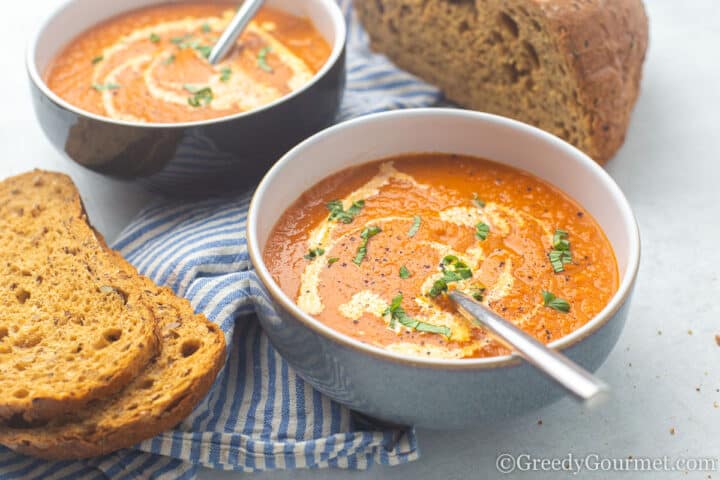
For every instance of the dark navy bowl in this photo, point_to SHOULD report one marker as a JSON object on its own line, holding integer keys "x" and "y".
{"x": 192, "y": 158}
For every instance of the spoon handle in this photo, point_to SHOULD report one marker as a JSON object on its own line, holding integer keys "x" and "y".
{"x": 245, "y": 13}
{"x": 567, "y": 373}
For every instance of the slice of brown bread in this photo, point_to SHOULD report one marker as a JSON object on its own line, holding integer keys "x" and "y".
{"x": 74, "y": 327}
{"x": 570, "y": 67}
{"x": 192, "y": 353}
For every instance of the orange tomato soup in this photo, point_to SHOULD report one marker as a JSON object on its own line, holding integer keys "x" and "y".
{"x": 373, "y": 250}
{"x": 150, "y": 65}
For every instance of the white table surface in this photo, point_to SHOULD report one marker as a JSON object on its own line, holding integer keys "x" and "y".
{"x": 670, "y": 170}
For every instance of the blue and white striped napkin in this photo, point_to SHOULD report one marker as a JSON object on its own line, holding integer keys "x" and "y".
{"x": 259, "y": 415}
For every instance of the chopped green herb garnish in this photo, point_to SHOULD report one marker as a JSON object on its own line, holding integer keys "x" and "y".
{"x": 206, "y": 27}
{"x": 313, "y": 253}
{"x": 558, "y": 259}
{"x": 560, "y": 241}
{"x": 439, "y": 286}
{"x": 154, "y": 37}
{"x": 415, "y": 226}
{"x": 430, "y": 328}
{"x": 482, "y": 230}
{"x": 337, "y": 213}
{"x": 225, "y": 74}
{"x": 184, "y": 42}
{"x": 477, "y": 293}
{"x": 397, "y": 314}
{"x": 550, "y": 300}
{"x": 367, "y": 234}
{"x": 404, "y": 272}
{"x": 454, "y": 270}
{"x": 393, "y": 309}
{"x": 202, "y": 96}
{"x": 476, "y": 200}
{"x": 203, "y": 50}
{"x": 169, "y": 60}
{"x": 180, "y": 41}
{"x": 560, "y": 255}
{"x": 262, "y": 59}
{"x": 332, "y": 260}
{"x": 107, "y": 86}
{"x": 97, "y": 59}
{"x": 356, "y": 207}
{"x": 452, "y": 260}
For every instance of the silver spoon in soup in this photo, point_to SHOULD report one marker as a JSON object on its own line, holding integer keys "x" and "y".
{"x": 242, "y": 18}
{"x": 575, "y": 379}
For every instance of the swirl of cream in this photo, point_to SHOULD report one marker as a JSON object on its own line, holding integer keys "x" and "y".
{"x": 239, "y": 91}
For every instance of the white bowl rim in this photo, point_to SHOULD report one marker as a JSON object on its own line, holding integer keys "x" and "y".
{"x": 616, "y": 302}
{"x": 333, "y": 8}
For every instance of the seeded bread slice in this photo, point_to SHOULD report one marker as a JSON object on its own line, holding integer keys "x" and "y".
{"x": 192, "y": 353}
{"x": 570, "y": 67}
{"x": 73, "y": 326}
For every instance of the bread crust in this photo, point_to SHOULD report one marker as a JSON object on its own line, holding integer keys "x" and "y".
{"x": 604, "y": 43}
{"x": 600, "y": 44}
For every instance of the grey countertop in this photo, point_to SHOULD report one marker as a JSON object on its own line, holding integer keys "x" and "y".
{"x": 665, "y": 369}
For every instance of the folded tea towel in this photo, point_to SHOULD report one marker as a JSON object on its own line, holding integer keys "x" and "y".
{"x": 259, "y": 415}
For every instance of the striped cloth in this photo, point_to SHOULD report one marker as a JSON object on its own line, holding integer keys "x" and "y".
{"x": 259, "y": 415}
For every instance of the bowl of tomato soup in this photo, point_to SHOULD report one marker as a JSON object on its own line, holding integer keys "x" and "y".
{"x": 125, "y": 88}
{"x": 357, "y": 253}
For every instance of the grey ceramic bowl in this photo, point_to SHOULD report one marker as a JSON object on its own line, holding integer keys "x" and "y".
{"x": 192, "y": 158}
{"x": 432, "y": 393}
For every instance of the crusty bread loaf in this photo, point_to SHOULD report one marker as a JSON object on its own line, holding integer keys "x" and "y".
{"x": 192, "y": 353}
{"x": 570, "y": 67}
{"x": 74, "y": 327}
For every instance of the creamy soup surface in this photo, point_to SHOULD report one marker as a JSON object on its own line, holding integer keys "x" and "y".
{"x": 373, "y": 250}
{"x": 150, "y": 65}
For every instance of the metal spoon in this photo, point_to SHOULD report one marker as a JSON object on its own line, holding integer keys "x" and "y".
{"x": 245, "y": 13}
{"x": 557, "y": 366}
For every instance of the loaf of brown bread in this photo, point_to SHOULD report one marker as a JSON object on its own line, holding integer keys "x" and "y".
{"x": 570, "y": 67}
{"x": 192, "y": 351}
{"x": 74, "y": 328}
